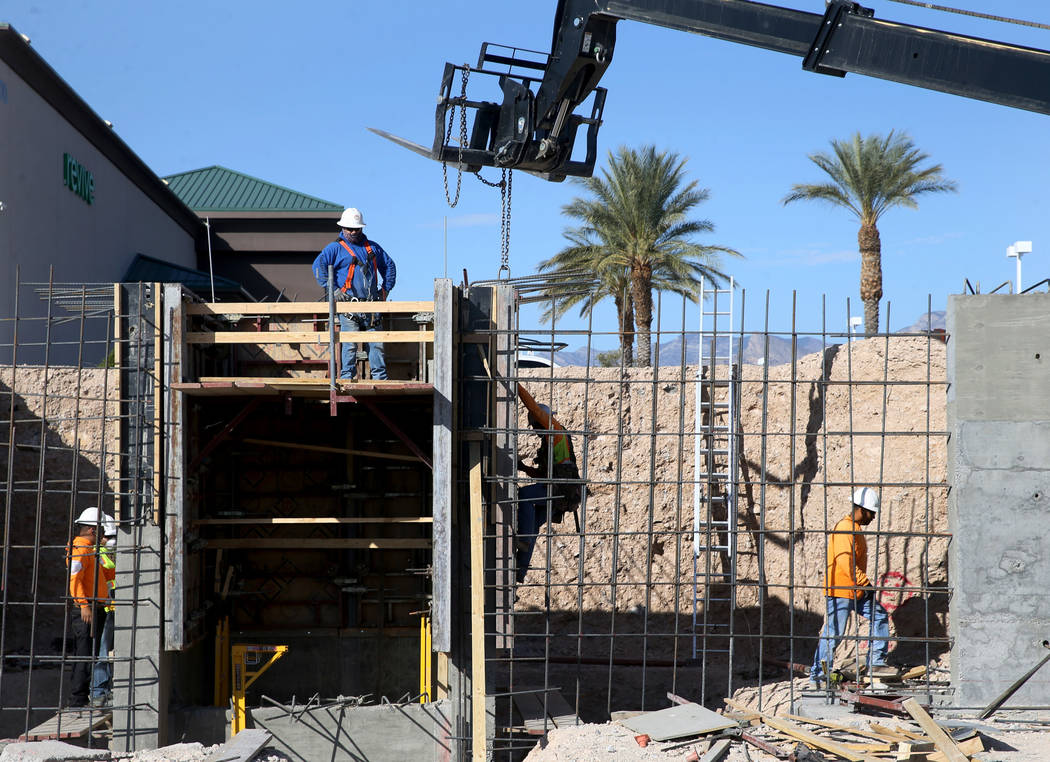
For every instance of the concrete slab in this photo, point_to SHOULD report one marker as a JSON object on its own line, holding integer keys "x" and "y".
{"x": 678, "y": 722}
{"x": 49, "y": 751}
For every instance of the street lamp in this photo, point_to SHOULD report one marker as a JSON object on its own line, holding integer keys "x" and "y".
{"x": 1018, "y": 250}
{"x": 855, "y": 322}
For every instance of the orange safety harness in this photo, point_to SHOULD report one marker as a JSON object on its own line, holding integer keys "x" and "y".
{"x": 353, "y": 263}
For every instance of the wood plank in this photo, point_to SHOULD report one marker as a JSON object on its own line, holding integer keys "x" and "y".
{"x": 306, "y": 337}
{"x": 812, "y": 739}
{"x": 303, "y": 308}
{"x": 533, "y": 717}
{"x": 898, "y": 733}
{"x": 338, "y": 450}
{"x": 264, "y": 520}
{"x": 313, "y": 543}
{"x": 716, "y": 752}
{"x": 479, "y": 751}
{"x": 914, "y": 673}
{"x": 842, "y": 727}
{"x": 560, "y": 711}
{"x": 69, "y": 723}
{"x": 969, "y": 747}
{"x": 944, "y": 742}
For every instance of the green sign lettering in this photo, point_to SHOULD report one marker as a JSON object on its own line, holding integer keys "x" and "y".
{"x": 76, "y": 177}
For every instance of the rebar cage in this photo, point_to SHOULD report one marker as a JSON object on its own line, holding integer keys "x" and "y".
{"x": 79, "y": 387}
{"x": 712, "y": 481}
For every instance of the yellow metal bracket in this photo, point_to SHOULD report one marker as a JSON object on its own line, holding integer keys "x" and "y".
{"x": 248, "y": 664}
{"x": 424, "y": 660}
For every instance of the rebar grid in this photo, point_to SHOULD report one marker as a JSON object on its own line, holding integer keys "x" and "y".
{"x": 61, "y": 415}
{"x": 608, "y": 617}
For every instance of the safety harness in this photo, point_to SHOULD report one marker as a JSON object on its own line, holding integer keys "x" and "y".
{"x": 353, "y": 264}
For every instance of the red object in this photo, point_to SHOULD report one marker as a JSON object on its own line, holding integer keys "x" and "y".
{"x": 643, "y": 740}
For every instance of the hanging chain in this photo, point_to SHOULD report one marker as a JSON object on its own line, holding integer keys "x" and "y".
{"x": 504, "y": 184}
{"x": 462, "y": 138}
{"x": 504, "y": 230}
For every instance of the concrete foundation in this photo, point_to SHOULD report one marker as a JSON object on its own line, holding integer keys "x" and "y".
{"x": 385, "y": 732}
{"x": 999, "y": 505}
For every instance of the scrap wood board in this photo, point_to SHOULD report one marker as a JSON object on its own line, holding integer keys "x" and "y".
{"x": 678, "y": 722}
{"x": 70, "y": 723}
{"x": 558, "y": 715}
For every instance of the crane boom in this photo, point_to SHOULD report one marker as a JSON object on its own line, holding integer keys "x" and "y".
{"x": 535, "y": 127}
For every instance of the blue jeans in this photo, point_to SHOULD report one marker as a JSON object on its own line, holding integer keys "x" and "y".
{"x": 835, "y": 625}
{"x": 376, "y": 360}
{"x": 102, "y": 672}
{"x": 532, "y": 515}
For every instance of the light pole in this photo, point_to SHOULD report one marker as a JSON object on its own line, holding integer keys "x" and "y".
{"x": 854, "y": 323}
{"x": 1018, "y": 250}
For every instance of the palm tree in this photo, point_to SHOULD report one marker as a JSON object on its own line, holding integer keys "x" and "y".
{"x": 635, "y": 236}
{"x": 870, "y": 175}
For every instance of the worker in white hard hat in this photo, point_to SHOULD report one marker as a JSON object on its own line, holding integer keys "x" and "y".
{"x": 358, "y": 263}
{"x": 847, "y": 588}
{"x": 557, "y": 490}
{"x": 89, "y": 592}
{"x": 102, "y": 674}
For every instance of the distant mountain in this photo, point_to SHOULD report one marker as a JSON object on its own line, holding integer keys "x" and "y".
{"x": 754, "y": 348}
{"x": 934, "y": 321}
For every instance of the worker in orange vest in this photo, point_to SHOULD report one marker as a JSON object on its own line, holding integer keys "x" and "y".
{"x": 357, "y": 264}
{"x": 90, "y": 594}
{"x": 847, "y": 588}
{"x": 557, "y": 489}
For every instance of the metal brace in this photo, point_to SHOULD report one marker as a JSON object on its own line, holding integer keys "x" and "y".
{"x": 822, "y": 43}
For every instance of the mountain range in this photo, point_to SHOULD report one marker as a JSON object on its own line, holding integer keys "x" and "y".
{"x": 753, "y": 349}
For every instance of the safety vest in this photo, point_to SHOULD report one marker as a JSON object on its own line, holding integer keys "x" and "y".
{"x": 109, "y": 572}
{"x": 353, "y": 263}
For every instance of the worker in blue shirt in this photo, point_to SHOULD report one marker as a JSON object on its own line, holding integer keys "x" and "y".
{"x": 358, "y": 264}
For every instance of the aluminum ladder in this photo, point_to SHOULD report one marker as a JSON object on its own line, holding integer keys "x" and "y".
{"x": 715, "y": 464}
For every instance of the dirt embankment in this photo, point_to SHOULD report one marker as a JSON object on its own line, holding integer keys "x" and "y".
{"x": 871, "y": 412}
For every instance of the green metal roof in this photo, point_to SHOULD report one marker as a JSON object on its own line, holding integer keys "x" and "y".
{"x": 217, "y": 189}
{"x": 152, "y": 270}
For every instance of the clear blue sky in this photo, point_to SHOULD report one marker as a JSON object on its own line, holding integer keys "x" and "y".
{"x": 285, "y": 91}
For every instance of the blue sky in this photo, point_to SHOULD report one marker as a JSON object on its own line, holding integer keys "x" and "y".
{"x": 286, "y": 91}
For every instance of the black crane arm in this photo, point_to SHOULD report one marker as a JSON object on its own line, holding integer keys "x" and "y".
{"x": 536, "y": 131}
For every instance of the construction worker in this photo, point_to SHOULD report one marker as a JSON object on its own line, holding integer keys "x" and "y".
{"x": 357, "y": 263}
{"x": 102, "y": 674}
{"x": 544, "y": 499}
{"x": 848, "y": 588}
{"x": 88, "y": 589}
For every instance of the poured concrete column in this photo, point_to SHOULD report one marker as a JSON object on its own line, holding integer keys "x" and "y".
{"x": 999, "y": 503}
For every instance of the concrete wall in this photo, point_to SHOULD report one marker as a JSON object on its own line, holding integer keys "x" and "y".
{"x": 387, "y": 732}
{"x": 999, "y": 505}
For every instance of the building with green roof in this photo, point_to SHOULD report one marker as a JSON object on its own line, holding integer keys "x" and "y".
{"x": 262, "y": 235}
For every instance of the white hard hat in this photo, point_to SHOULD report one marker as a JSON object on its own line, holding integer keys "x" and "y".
{"x": 109, "y": 525}
{"x": 352, "y": 218}
{"x": 88, "y": 517}
{"x": 866, "y": 498}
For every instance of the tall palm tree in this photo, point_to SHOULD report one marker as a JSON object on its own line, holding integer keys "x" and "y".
{"x": 870, "y": 175}
{"x": 635, "y": 228}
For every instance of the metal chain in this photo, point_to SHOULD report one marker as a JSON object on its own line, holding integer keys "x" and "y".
{"x": 504, "y": 184}
{"x": 504, "y": 232}
{"x": 462, "y": 138}
{"x": 975, "y": 14}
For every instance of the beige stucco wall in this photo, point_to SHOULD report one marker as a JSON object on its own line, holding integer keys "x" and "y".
{"x": 43, "y": 223}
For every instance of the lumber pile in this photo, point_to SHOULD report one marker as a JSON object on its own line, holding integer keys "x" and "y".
{"x": 803, "y": 739}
